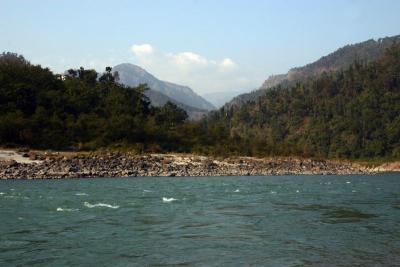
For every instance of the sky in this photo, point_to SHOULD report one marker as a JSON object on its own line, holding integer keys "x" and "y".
{"x": 209, "y": 45}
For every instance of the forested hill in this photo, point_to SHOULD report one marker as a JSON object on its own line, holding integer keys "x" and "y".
{"x": 340, "y": 59}
{"x": 348, "y": 114}
{"x": 353, "y": 113}
{"x": 82, "y": 110}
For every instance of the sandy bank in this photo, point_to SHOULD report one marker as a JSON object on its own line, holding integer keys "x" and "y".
{"x": 9, "y": 155}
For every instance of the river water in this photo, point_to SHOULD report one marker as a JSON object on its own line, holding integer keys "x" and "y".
{"x": 202, "y": 221}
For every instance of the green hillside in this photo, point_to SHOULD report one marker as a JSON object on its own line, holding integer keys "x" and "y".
{"x": 353, "y": 113}
{"x": 348, "y": 114}
{"x": 82, "y": 110}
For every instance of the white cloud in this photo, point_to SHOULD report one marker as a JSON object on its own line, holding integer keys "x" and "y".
{"x": 227, "y": 63}
{"x": 188, "y": 58}
{"x": 142, "y": 49}
{"x": 201, "y": 73}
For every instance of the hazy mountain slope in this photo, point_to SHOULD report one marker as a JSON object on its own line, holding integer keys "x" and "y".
{"x": 132, "y": 75}
{"x": 159, "y": 99}
{"x": 218, "y": 99}
{"x": 353, "y": 113}
{"x": 339, "y": 60}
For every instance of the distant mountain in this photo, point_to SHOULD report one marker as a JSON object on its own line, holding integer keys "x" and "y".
{"x": 341, "y": 59}
{"x": 132, "y": 75}
{"x": 159, "y": 99}
{"x": 218, "y": 99}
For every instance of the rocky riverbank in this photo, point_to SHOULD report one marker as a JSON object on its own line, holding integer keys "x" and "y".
{"x": 42, "y": 165}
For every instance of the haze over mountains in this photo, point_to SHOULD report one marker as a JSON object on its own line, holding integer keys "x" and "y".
{"x": 162, "y": 91}
{"x": 341, "y": 59}
{"x": 196, "y": 106}
{"x": 218, "y": 99}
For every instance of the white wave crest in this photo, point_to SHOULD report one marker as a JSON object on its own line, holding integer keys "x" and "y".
{"x": 147, "y": 191}
{"x": 166, "y": 199}
{"x": 105, "y": 205}
{"x": 236, "y": 191}
{"x": 65, "y": 209}
{"x": 81, "y": 194}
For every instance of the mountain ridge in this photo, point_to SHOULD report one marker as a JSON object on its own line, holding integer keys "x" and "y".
{"x": 133, "y": 75}
{"x": 340, "y": 59}
{"x": 351, "y": 113}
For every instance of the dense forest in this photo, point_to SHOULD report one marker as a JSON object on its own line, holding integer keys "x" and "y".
{"x": 338, "y": 60}
{"x": 347, "y": 114}
{"x": 353, "y": 113}
{"x": 82, "y": 110}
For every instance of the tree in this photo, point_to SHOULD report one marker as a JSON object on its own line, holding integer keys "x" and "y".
{"x": 107, "y": 77}
{"x": 171, "y": 115}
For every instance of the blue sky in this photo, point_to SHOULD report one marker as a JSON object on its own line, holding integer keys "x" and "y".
{"x": 209, "y": 45}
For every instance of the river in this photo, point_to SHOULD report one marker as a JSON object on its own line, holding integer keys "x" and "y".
{"x": 202, "y": 221}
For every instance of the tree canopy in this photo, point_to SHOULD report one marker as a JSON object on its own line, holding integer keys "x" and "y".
{"x": 353, "y": 113}
{"x": 79, "y": 110}
{"x": 347, "y": 114}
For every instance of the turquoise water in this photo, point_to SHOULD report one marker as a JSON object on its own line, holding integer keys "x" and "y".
{"x": 202, "y": 221}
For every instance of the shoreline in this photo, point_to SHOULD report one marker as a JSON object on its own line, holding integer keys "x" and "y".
{"x": 56, "y": 165}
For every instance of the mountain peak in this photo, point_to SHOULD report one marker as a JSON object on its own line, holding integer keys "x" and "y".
{"x": 132, "y": 68}
{"x": 133, "y": 75}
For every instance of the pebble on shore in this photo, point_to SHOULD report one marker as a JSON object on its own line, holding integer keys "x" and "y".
{"x": 55, "y": 165}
